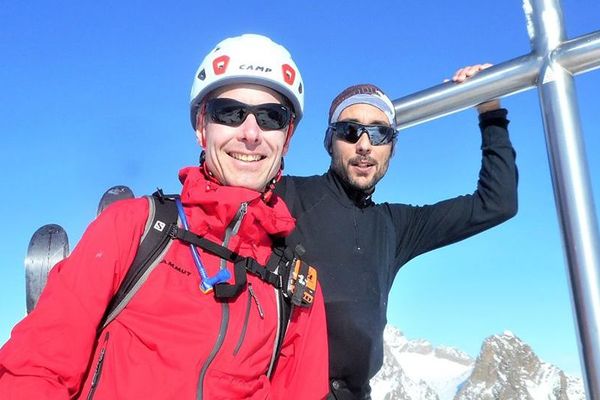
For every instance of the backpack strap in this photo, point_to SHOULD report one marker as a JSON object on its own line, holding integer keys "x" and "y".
{"x": 156, "y": 240}
{"x": 279, "y": 256}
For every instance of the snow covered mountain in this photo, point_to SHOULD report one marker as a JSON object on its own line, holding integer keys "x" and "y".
{"x": 506, "y": 369}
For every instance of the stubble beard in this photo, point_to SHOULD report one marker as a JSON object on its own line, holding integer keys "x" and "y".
{"x": 343, "y": 171}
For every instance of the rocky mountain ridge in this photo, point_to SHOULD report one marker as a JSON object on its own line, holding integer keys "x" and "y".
{"x": 505, "y": 369}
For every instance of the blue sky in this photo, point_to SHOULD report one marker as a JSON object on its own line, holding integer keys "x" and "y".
{"x": 95, "y": 94}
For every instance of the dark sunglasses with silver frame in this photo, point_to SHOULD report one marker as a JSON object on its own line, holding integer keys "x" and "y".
{"x": 352, "y": 131}
{"x": 230, "y": 112}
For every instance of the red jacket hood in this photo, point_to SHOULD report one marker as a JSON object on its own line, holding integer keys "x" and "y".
{"x": 220, "y": 203}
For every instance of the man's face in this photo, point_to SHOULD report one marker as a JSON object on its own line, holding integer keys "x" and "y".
{"x": 361, "y": 164}
{"x": 245, "y": 155}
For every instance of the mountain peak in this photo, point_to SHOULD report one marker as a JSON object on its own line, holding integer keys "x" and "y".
{"x": 505, "y": 369}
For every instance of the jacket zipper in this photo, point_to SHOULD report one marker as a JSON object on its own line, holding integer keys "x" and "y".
{"x": 356, "y": 233}
{"x": 231, "y": 230}
{"x": 98, "y": 370}
{"x": 239, "y": 216}
{"x": 215, "y": 350}
{"x": 255, "y": 297}
{"x": 279, "y": 334}
{"x": 251, "y": 295}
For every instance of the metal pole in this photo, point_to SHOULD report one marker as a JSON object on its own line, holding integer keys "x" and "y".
{"x": 571, "y": 184}
{"x": 507, "y": 78}
{"x": 581, "y": 54}
{"x": 577, "y": 56}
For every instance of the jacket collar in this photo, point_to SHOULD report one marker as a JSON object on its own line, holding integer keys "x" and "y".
{"x": 349, "y": 195}
{"x": 218, "y": 204}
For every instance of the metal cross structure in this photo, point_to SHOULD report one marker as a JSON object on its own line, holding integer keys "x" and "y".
{"x": 550, "y": 67}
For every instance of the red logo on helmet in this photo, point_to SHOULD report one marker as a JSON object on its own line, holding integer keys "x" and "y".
{"x": 220, "y": 64}
{"x": 289, "y": 74}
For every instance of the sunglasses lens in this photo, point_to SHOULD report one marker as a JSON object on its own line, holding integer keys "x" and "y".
{"x": 228, "y": 115}
{"x": 272, "y": 116}
{"x": 381, "y": 135}
{"x": 351, "y": 132}
{"x": 233, "y": 113}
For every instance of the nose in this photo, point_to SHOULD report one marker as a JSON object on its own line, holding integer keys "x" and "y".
{"x": 363, "y": 145}
{"x": 249, "y": 131}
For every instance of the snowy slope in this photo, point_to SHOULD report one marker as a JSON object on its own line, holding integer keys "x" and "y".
{"x": 439, "y": 369}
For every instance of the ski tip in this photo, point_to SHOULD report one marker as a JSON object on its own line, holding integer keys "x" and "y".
{"x": 47, "y": 233}
{"x": 48, "y": 245}
{"x": 113, "y": 194}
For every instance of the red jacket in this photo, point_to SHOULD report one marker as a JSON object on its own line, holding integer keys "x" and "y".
{"x": 161, "y": 344}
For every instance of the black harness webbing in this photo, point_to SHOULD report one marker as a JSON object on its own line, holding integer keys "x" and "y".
{"x": 246, "y": 263}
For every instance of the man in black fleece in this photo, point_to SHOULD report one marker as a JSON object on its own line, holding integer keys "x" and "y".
{"x": 359, "y": 246}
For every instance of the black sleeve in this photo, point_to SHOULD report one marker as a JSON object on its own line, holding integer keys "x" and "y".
{"x": 425, "y": 228}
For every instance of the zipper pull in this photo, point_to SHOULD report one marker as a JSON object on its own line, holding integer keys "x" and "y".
{"x": 238, "y": 217}
{"x": 258, "y": 306}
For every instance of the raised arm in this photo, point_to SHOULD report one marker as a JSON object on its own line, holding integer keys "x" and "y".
{"x": 425, "y": 228}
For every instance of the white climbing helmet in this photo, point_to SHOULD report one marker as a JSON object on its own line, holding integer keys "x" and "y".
{"x": 248, "y": 58}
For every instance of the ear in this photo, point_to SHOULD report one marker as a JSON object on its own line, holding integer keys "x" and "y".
{"x": 285, "y": 147}
{"x": 201, "y": 129}
{"x": 200, "y": 136}
{"x": 331, "y": 145}
{"x": 289, "y": 134}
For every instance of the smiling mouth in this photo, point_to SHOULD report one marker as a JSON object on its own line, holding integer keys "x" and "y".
{"x": 362, "y": 162}
{"x": 247, "y": 157}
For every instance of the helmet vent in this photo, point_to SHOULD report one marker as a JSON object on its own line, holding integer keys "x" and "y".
{"x": 220, "y": 65}
{"x": 288, "y": 74}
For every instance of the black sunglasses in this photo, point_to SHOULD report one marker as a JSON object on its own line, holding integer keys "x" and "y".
{"x": 352, "y": 131}
{"x": 269, "y": 116}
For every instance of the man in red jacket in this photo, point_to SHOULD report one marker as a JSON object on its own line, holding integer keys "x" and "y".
{"x": 174, "y": 339}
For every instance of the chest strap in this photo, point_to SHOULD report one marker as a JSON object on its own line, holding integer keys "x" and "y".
{"x": 285, "y": 270}
{"x": 241, "y": 264}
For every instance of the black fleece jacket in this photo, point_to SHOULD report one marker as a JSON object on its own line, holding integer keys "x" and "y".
{"x": 358, "y": 246}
